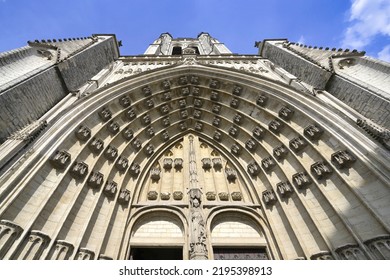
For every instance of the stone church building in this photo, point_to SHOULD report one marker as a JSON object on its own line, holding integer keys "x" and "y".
{"x": 190, "y": 151}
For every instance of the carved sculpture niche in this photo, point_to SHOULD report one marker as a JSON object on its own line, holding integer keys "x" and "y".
{"x": 238, "y": 119}
{"x": 182, "y": 103}
{"x": 342, "y": 159}
{"x": 313, "y": 132}
{"x": 262, "y": 100}
{"x": 95, "y": 180}
{"x": 195, "y": 91}
{"x": 149, "y": 132}
{"x": 60, "y": 160}
{"x": 269, "y": 197}
{"x": 195, "y": 80}
{"x": 105, "y": 114}
{"x": 83, "y": 133}
{"x": 149, "y": 149}
{"x": 183, "y": 126}
{"x": 124, "y": 197}
{"x": 110, "y": 189}
{"x": 253, "y": 169}
{"x": 197, "y": 114}
{"x": 275, "y": 126}
{"x": 164, "y": 135}
{"x": 284, "y": 188}
{"x": 136, "y": 144}
{"x": 124, "y": 101}
{"x": 79, "y": 170}
{"x": 198, "y": 103}
{"x": 127, "y": 133}
{"x": 301, "y": 180}
{"x": 183, "y": 80}
{"x": 166, "y": 122}
{"x": 286, "y": 113}
{"x": 96, "y": 145}
{"x": 166, "y": 96}
{"x": 321, "y": 170}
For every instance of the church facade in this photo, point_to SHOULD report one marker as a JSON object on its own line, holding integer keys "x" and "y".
{"x": 190, "y": 151}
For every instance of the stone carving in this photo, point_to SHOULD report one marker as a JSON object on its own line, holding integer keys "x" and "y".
{"x": 29, "y": 132}
{"x": 322, "y": 256}
{"x": 378, "y": 133}
{"x": 122, "y": 163}
{"x": 206, "y": 163}
{"x": 110, "y": 188}
{"x": 83, "y": 133}
{"x": 236, "y": 149}
{"x": 155, "y": 173}
{"x": 79, "y": 170}
{"x": 96, "y": 145}
{"x": 231, "y": 174}
{"x": 262, "y": 100}
{"x": 275, "y": 126}
{"x": 234, "y": 131}
{"x": 152, "y": 195}
{"x": 105, "y": 114}
{"x": 166, "y": 121}
{"x": 351, "y": 252}
{"x": 105, "y": 258}
{"x": 268, "y": 164}
{"x": 130, "y": 114}
{"x": 124, "y": 101}
{"x": 127, "y": 133}
{"x": 216, "y": 109}
{"x": 177, "y": 195}
{"x": 195, "y": 80}
{"x": 195, "y": 91}
{"x": 286, "y": 113}
{"x": 253, "y": 169}
{"x": 223, "y": 196}
{"x": 164, "y": 135}
{"x": 164, "y": 109}
{"x": 269, "y": 197}
{"x": 217, "y": 136}
{"x": 380, "y": 247}
{"x": 85, "y": 254}
{"x": 149, "y": 103}
{"x": 258, "y": 132}
{"x": 149, "y": 149}
{"x": 216, "y": 121}
{"x": 113, "y": 127}
{"x": 321, "y": 170}
{"x": 214, "y": 84}
{"x": 197, "y": 114}
{"x": 297, "y": 144}
{"x": 301, "y": 180}
{"x": 135, "y": 169}
{"x": 198, "y": 103}
{"x": 60, "y": 160}
{"x": 198, "y": 126}
{"x": 214, "y": 96}
{"x": 237, "y": 90}
{"x": 251, "y": 145}
{"x": 185, "y": 91}
{"x": 217, "y": 163}
{"x": 166, "y": 96}
{"x": 167, "y": 163}
{"x": 236, "y": 196}
{"x": 284, "y": 188}
{"x": 145, "y": 119}
{"x": 9, "y": 232}
{"x": 182, "y": 103}
{"x": 165, "y": 195}
{"x": 124, "y": 197}
{"x": 136, "y": 144}
{"x": 234, "y": 103}
{"x": 62, "y": 250}
{"x": 147, "y": 91}
{"x": 342, "y": 159}
{"x": 184, "y": 114}
{"x": 95, "y": 180}
{"x": 238, "y": 119}
{"x": 280, "y": 152}
{"x": 111, "y": 153}
{"x": 37, "y": 242}
{"x": 182, "y": 80}
{"x": 149, "y": 132}
{"x": 178, "y": 163}
{"x": 210, "y": 195}
{"x": 182, "y": 126}
{"x": 313, "y": 132}
{"x": 166, "y": 84}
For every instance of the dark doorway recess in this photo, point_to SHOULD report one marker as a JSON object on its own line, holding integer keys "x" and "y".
{"x": 161, "y": 253}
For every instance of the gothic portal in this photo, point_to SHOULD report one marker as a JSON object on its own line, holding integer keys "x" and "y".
{"x": 192, "y": 152}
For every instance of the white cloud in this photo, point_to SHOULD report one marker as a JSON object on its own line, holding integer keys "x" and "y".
{"x": 384, "y": 54}
{"x": 368, "y": 18}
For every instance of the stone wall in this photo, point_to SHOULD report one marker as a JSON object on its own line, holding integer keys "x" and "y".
{"x": 371, "y": 106}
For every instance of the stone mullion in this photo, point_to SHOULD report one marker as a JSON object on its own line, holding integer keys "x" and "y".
{"x": 9, "y": 232}
{"x": 34, "y": 246}
{"x": 62, "y": 250}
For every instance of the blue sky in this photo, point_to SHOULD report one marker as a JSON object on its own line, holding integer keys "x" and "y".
{"x": 353, "y": 24}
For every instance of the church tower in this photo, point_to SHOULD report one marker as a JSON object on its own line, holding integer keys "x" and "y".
{"x": 192, "y": 152}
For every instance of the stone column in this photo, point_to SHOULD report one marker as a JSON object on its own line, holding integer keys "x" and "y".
{"x": 9, "y": 232}
{"x": 198, "y": 234}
